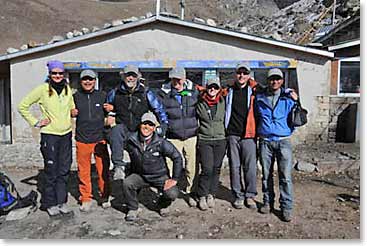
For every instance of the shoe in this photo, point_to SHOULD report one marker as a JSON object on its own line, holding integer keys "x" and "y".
{"x": 132, "y": 215}
{"x": 250, "y": 203}
{"x": 210, "y": 200}
{"x": 265, "y": 209}
{"x": 238, "y": 203}
{"x": 65, "y": 210}
{"x": 86, "y": 206}
{"x": 105, "y": 202}
{"x": 203, "y": 204}
{"x": 119, "y": 173}
{"x": 53, "y": 211}
{"x": 191, "y": 201}
{"x": 287, "y": 215}
{"x": 164, "y": 212}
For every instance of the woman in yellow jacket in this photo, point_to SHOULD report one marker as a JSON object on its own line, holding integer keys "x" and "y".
{"x": 56, "y": 102}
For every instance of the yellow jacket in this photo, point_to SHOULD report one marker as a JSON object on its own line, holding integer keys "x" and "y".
{"x": 55, "y": 107}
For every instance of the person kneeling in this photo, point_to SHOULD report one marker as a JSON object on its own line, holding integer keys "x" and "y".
{"x": 147, "y": 153}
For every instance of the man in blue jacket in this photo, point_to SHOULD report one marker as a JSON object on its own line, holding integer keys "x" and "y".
{"x": 129, "y": 102}
{"x": 272, "y": 108}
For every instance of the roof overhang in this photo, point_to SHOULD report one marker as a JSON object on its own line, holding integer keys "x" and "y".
{"x": 344, "y": 45}
{"x": 171, "y": 21}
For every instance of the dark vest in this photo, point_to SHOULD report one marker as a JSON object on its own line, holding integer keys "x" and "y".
{"x": 129, "y": 107}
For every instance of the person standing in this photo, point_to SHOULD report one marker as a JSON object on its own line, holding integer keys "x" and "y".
{"x": 273, "y": 108}
{"x": 56, "y": 102}
{"x": 179, "y": 98}
{"x": 241, "y": 132}
{"x": 90, "y": 140}
{"x": 148, "y": 153}
{"x": 127, "y": 104}
{"x": 211, "y": 142}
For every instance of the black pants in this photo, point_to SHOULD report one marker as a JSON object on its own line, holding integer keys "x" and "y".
{"x": 134, "y": 182}
{"x": 57, "y": 157}
{"x": 211, "y": 158}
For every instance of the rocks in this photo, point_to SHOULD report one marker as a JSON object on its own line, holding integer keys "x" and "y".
{"x": 85, "y": 30}
{"x": 77, "y": 33}
{"x": 69, "y": 35}
{"x": 56, "y": 38}
{"x": 211, "y": 22}
{"x": 11, "y": 50}
{"x": 114, "y": 232}
{"x": 131, "y": 19}
{"x": 107, "y": 25}
{"x": 148, "y": 14}
{"x": 117, "y": 22}
{"x": 198, "y": 20}
{"x": 24, "y": 47}
{"x": 305, "y": 167}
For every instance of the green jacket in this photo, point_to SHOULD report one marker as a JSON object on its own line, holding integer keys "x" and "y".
{"x": 211, "y": 128}
{"x": 55, "y": 107}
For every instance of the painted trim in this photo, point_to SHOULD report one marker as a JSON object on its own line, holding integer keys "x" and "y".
{"x": 344, "y": 45}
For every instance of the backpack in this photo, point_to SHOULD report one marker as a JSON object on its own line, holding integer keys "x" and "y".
{"x": 9, "y": 196}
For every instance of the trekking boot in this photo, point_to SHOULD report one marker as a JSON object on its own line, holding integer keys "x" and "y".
{"x": 119, "y": 173}
{"x": 191, "y": 201}
{"x": 53, "y": 212}
{"x": 164, "y": 212}
{"x": 203, "y": 204}
{"x": 265, "y": 209}
{"x": 86, "y": 206}
{"x": 210, "y": 200}
{"x": 287, "y": 215}
{"x": 250, "y": 203}
{"x": 105, "y": 202}
{"x": 238, "y": 203}
{"x": 65, "y": 210}
{"x": 132, "y": 215}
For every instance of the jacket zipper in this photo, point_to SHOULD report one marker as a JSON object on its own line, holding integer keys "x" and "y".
{"x": 89, "y": 108}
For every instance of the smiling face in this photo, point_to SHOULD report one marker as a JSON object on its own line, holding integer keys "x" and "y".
{"x": 242, "y": 76}
{"x": 178, "y": 84}
{"x": 57, "y": 75}
{"x": 131, "y": 80}
{"x": 88, "y": 83}
{"x": 147, "y": 128}
{"x": 213, "y": 90}
{"x": 275, "y": 82}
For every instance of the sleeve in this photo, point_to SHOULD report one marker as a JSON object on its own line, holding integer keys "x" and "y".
{"x": 71, "y": 103}
{"x": 170, "y": 151}
{"x": 23, "y": 108}
{"x": 110, "y": 98}
{"x": 157, "y": 107}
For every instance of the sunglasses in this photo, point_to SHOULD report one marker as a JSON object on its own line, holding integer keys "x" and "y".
{"x": 276, "y": 77}
{"x": 57, "y": 73}
{"x": 243, "y": 72}
{"x": 215, "y": 87}
{"x": 88, "y": 78}
{"x": 131, "y": 74}
{"x": 148, "y": 123}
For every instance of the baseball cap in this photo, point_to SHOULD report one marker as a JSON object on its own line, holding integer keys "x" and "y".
{"x": 177, "y": 72}
{"x": 275, "y": 72}
{"x": 243, "y": 65}
{"x": 149, "y": 116}
{"x": 131, "y": 69}
{"x": 88, "y": 73}
{"x": 213, "y": 82}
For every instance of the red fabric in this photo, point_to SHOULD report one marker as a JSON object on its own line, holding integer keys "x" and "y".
{"x": 83, "y": 156}
{"x": 251, "y": 125}
{"x": 211, "y": 101}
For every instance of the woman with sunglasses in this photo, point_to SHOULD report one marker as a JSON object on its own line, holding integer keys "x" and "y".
{"x": 211, "y": 141}
{"x": 55, "y": 101}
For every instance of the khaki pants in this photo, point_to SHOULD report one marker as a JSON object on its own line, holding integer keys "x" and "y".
{"x": 187, "y": 148}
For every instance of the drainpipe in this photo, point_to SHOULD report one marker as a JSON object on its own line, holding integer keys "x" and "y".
{"x": 158, "y": 8}
{"x": 182, "y": 4}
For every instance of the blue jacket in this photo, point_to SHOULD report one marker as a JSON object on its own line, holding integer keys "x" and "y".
{"x": 273, "y": 123}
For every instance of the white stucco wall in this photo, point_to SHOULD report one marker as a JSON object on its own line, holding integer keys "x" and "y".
{"x": 166, "y": 42}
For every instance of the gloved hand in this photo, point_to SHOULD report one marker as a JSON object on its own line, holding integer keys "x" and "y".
{"x": 119, "y": 173}
{"x": 162, "y": 130}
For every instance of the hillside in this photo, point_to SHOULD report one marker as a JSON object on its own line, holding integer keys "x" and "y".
{"x": 37, "y": 21}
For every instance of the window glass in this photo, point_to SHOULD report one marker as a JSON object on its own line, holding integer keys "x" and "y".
{"x": 155, "y": 79}
{"x": 349, "y": 77}
{"x": 108, "y": 80}
{"x": 195, "y": 75}
{"x": 226, "y": 77}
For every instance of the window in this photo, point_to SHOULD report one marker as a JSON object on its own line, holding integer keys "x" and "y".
{"x": 349, "y": 76}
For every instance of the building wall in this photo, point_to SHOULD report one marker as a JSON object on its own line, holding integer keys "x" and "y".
{"x": 167, "y": 42}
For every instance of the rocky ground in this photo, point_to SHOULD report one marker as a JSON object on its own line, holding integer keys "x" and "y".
{"x": 326, "y": 207}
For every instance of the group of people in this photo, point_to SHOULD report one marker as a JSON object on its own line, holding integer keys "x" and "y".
{"x": 179, "y": 132}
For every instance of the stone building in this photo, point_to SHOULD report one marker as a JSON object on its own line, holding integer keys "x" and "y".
{"x": 156, "y": 44}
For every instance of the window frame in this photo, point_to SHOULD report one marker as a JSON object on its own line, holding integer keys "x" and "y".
{"x": 350, "y": 59}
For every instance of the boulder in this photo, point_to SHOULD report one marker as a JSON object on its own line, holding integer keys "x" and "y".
{"x": 304, "y": 166}
{"x": 85, "y": 30}
{"x": 11, "y": 50}
{"x": 24, "y": 47}
{"x": 211, "y": 22}
{"x": 199, "y": 20}
{"x": 77, "y": 33}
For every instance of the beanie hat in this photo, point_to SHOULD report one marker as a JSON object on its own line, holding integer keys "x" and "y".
{"x": 55, "y": 64}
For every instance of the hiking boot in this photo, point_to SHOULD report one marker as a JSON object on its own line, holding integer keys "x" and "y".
{"x": 287, "y": 215}
{"x": 210, "y": 200}
{"x": 65, "y": 210}
{"x": 265, "y": 209}
{"x": 53, "y": 211}
{"x": 119, "y": 173}
{"x": 105, "y": 202}
{"x": 250, "y": 203}
{"x": 191, "y": 201}
{"x": 164, "y": 212}
{"x": 132, "y": 215}
{"x": 86, "y": 206}
{"x": 202, "y": 203}
{"x": 238, "y": 203}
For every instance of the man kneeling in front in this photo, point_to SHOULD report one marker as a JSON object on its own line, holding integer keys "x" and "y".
{"x": 148, "y": 167}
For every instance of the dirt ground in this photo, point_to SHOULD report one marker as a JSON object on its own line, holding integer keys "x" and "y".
{"x": 326, "y": 207}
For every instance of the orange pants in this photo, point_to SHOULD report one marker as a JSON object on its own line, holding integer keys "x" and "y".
{"x": 83, "y": 156}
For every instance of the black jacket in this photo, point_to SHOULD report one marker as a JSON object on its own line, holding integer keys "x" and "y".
{"x": 182, "y": 120}
{"x": 151, "y": 162}
{"x": 90, "y": 119}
